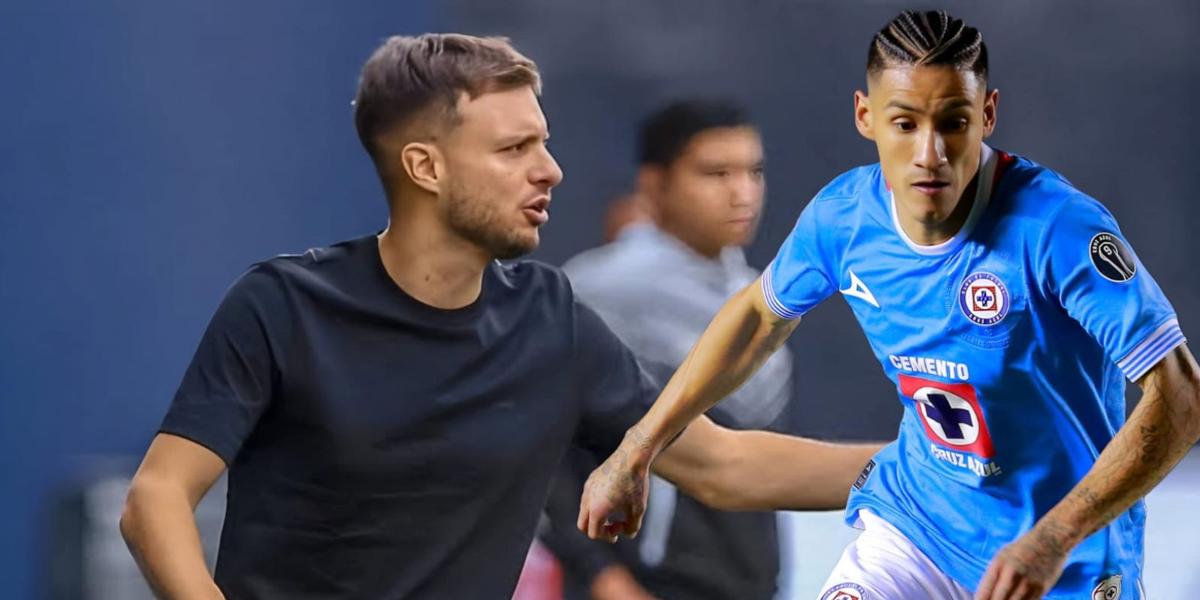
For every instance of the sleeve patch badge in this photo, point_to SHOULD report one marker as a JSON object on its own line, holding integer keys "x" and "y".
{"x": 1111, "y": 258}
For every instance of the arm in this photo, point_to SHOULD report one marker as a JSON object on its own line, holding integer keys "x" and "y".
{"x": 1165, "y": 424}
{"x": 158, "y": 523}
{"x": 738, "y": 340}
{"x": 224, "y": 392}
{"x": 741, "y": 336}
{"x": 760, "y": 470}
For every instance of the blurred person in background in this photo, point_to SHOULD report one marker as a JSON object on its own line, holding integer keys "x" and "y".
{"x": 391, "y": 409}
{"x": 678, "y": 258}
{"x": 624, "y": 210}
{"x": 1008, "y": 309}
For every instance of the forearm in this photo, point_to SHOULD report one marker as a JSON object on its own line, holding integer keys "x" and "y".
{"x": 772, "y": 471}
{"x": 760, "y": 470}
{"x": 1161, "y": 430}
{"x": 735, "y": 344}
{"x": 160, "y": 529}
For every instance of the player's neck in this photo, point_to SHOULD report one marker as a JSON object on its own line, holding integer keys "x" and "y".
{"x": 431, "y": 264}
{"x": 691, "y": 241}
{"x": 933, "y": 232}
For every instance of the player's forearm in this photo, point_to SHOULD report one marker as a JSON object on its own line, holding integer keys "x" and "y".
{"x": 735, "y": 344}
{"x": 1161, "y": 430}
{"x": 160, "y": 529}
{"x": 760, "y": 470}
{"x": 772, "y": 471}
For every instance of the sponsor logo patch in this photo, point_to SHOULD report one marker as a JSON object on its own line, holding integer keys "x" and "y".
{"x": 950, "y": 413}
{"x": 845, "y": 591}
{"x": 862, "y": 477}
{"x": 983, "y": 298}
{"x": 1108, "y": 589}
{"x": 1111, "y": 258}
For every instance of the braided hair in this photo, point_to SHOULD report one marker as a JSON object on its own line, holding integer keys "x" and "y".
{"x": 932, "y": 38}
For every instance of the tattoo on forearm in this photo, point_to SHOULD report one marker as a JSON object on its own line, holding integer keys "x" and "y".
{"x": 622, "y": 481}
{"x": 639, "y": 440}
{"x": 1050, "y": 538}
{"x": 1144, "y": 454}
{"x": 1152, "y": 443}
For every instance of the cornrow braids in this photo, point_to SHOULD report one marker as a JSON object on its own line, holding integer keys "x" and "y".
{"x": 929, "y": 38}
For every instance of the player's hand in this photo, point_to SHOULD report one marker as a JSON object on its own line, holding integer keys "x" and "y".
{"x": 1024, "y": 569}
{"x": 614, "y": 497}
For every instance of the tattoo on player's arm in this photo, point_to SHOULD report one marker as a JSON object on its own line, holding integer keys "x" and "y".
{"x": 1152, "y": 444}
{"x": 623, "y": 481}
{"x": 1152, "y": 448}
{"x": 640, "y": 440}
{"x": 1051, "y": 541}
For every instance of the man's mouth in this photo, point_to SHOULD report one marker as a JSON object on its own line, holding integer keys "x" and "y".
{"x": 537, "y": 211}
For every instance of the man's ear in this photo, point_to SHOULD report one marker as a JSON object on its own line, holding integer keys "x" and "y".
{"x": 424, "y": 164}
{"x": 863, "y": 118}
{"x": 990, "y": 105}
{"x": 650, "y": 180}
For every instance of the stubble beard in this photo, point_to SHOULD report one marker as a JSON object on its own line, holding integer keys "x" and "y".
{"x": 477, "y": 219}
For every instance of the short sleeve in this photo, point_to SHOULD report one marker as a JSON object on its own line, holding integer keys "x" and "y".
{"x": 615, "y": 391}
{"x": 1089, "y": 267}
{"x": 797, "y": 280}
{"x": 231, "y": 378}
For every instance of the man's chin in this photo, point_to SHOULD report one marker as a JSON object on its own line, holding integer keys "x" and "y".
{"x": 516, "y": 248}
{"x": 928, "y": 210}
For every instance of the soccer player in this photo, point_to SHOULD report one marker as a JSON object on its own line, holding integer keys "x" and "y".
{"x": 391, "y": 408}
{"x": 1008, "y": 309}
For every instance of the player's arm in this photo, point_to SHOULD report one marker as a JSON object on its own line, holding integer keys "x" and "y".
{"x": 1161, "y": 430}
{"x": 739, "y": 339}
{"x": 760, "y": 470}
{"x": 743, "y": 335}
{"x": 1163, "y": 427}
{"x": 159, "y": 524}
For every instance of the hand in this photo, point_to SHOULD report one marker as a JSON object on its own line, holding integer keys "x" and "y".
{"x": 1026, "y": 568}
{"x": 617, "y": 583}
{"x": 614, "y": 497}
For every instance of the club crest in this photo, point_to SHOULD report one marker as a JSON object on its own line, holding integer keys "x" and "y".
{"x": 983, "y": 299}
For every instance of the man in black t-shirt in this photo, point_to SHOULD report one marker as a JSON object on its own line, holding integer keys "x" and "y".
{"x": 392, "y": 408}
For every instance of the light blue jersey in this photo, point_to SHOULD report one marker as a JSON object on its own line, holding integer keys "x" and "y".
{"x": 1009, "y": 346}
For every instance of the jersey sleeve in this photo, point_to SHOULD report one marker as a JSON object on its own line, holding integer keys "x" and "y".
{"x": 231, "y": 378}
{"x": 616, "y": 391}
{"x": 1089, "y": 267}
{"x": 798, "y": 279}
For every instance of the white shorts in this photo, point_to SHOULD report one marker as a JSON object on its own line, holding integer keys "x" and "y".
{"x": 881, "y": 564}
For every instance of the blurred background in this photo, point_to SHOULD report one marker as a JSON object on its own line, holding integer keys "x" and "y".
{"x": 150, "y": 151}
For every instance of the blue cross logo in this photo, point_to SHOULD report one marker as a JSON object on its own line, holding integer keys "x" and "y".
{"x": 984, "y": 299}
{"x": 937, "y": 406}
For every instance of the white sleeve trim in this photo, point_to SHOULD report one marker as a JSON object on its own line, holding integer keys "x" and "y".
{"x": 1151, "y": 350}
{"x": 773, "y": 302}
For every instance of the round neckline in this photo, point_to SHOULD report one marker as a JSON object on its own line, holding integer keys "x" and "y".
{"x": 402, "y": 296}
{"x": 984, "y": 184}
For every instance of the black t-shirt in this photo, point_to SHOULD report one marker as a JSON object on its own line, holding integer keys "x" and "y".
{"x": 382, "y": 448}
